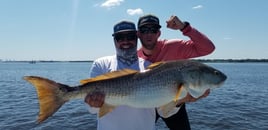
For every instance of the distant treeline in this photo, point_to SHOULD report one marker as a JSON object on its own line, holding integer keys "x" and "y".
{"x": 200, "y": 60}
{"x": 44, "y": 61}
{"x": 232, "y": 60}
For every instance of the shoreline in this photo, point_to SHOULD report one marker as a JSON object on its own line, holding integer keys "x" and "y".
{"x": 200, "y": 60}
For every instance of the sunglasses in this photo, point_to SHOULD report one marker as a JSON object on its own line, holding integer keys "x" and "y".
{"x": 146, "y": 30}
{"x": 128, "y": 37}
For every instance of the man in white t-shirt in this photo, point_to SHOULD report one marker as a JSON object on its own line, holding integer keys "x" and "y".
{"x": 122, "y": 117}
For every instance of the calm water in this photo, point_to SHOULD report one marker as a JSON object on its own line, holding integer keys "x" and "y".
{"x": 240, "y": 104}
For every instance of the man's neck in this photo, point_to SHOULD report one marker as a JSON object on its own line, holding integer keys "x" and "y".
{"x": 147, "y": 52}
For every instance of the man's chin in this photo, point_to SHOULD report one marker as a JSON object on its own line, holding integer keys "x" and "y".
{"x": 149, "y": 47}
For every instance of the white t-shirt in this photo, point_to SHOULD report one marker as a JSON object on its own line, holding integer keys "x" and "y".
{"x": 123, "y": 117}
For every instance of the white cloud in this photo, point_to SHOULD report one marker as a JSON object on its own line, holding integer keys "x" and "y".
{"x": 111, "y": 3}
{"x": 198, "y": 7}
{"x": 135, "y": 11}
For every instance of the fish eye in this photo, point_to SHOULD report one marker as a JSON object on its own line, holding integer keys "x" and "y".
{"x": 216, "y": 72}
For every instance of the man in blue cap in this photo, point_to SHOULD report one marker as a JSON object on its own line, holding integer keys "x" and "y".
{"x": 122, "y": 117}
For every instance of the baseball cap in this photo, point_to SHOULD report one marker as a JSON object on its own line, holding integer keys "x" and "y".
{"x": 148, "y": 19}
{"x": 124, "y": 26}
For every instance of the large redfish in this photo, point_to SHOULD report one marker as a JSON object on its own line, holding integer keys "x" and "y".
{"x": 161, "y": 84}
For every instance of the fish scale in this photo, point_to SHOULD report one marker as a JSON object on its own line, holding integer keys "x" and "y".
{"x": 159, "y": 86}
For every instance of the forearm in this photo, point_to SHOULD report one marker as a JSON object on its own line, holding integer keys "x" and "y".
{"x": 201, "y": 42}
{"x": 92, "y": 110}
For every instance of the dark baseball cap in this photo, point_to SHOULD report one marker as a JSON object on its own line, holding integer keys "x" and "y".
{"x": 124, "y": 26}
{"x": 148, "y": 19}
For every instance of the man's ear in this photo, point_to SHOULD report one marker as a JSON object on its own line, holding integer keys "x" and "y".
{"x": 159, "y": 33}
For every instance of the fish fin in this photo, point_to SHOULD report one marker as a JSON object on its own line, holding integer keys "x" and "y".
{"x": 48, "y": 95}
{"x": 178, "y": 94}
{"x": 196, "y": 92}
{"x": 168, "y": 109}
{"x": 156, "y": 64}
{"x": 110, "y": 75}
{"x": 105, "y": 109}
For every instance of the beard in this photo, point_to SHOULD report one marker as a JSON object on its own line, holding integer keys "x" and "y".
{"x": 148, "y": 45}
{"x": 127, "y": 56}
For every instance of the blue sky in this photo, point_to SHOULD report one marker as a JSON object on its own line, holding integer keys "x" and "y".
{"x": 81, "y": 29}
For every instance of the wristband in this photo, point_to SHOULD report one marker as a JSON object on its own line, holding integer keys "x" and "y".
{"x": 186, "y": 24}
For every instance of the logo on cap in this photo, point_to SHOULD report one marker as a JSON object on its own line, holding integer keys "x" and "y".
{"x": 148, "y": 19}
{"x": 124, "y": 26}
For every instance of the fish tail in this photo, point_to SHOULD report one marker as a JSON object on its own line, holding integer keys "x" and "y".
{"x": 49, "y": 95}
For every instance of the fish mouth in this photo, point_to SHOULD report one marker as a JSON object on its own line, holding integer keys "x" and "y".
{"x": 223, "y": 76}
